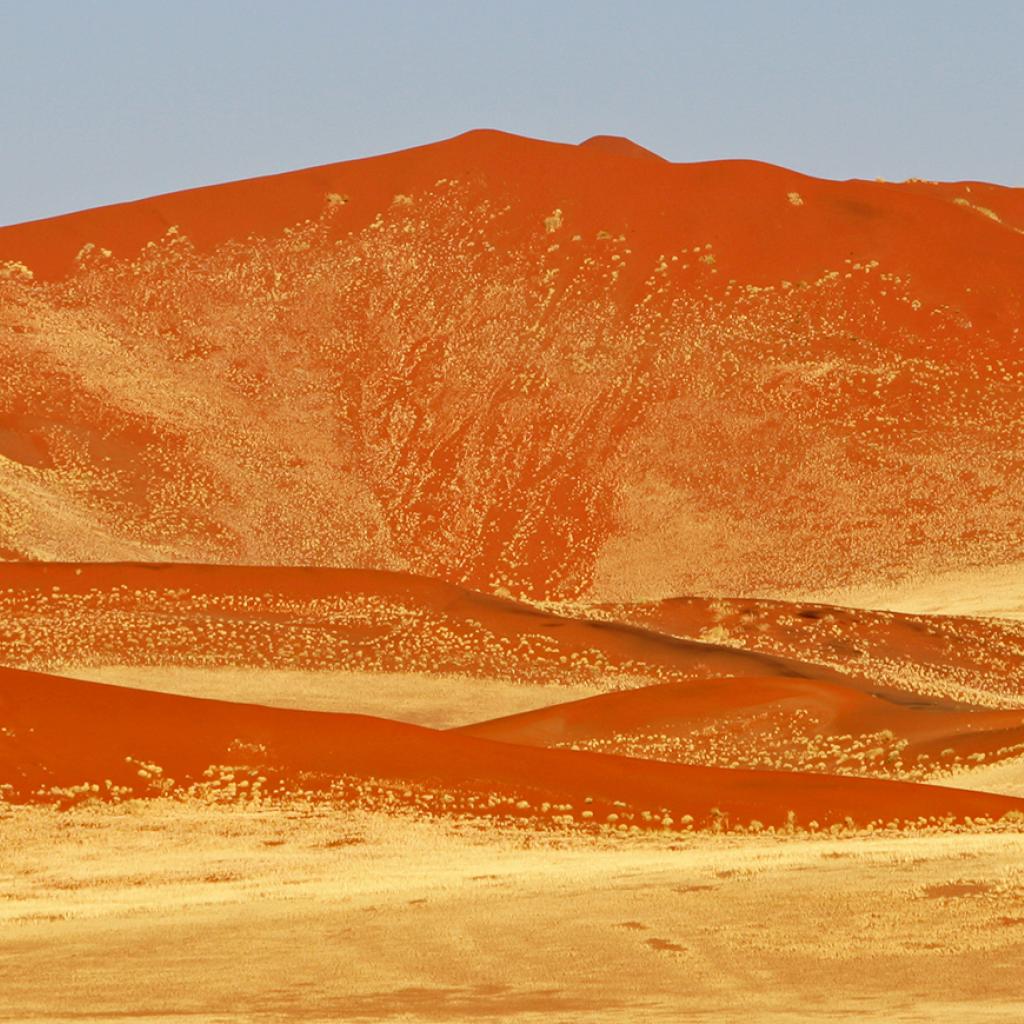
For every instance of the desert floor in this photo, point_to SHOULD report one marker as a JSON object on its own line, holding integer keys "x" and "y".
{"x": 437, "y": 701}
{"x": 182, "y": 911}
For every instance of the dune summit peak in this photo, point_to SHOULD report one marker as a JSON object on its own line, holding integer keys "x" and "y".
{"x": 620, "y": 145}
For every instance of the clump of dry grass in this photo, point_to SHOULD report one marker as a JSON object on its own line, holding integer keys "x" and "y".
{"x": 13, "y": 270}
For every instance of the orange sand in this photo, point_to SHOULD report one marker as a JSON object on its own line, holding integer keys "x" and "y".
{"x": 552, "y": 370}
{"x": 64, "y": 733}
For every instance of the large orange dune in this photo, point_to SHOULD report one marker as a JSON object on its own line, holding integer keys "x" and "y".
{"x": 548, "y": 370}
{"x": 62, "y": 737}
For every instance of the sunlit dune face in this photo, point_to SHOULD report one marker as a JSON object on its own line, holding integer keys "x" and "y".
{"x": 67, "y": 742}
{"x": 560, "y": 372}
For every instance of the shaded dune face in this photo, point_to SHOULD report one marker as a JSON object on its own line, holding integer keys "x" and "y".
{"x": 69, "y": 735}
{"x": 557, "y": 371}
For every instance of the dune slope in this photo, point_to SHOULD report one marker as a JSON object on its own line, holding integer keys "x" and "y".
{"x": 559, "y": 371}
{"x": 971, "y": 659}
{"x": 55, "y": 617}
{"x": 60, "y": 736}
{"x": 801, "y": 724}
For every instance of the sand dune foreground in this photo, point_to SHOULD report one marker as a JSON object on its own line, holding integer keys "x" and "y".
{"x": 508, "y": 581}
{"x": 314, "y": 915}
{"x": 65, "y": 741}
{"x": 629, "y": 854}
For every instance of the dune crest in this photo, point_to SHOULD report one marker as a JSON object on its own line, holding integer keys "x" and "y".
{"x": 69, "y": 740}
{"x": 620, "y": 145}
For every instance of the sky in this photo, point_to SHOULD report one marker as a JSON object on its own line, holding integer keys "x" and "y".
{"x": 111, "y": 100}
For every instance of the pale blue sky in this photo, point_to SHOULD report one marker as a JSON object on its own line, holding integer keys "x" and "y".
{"x": 102, "y": 101}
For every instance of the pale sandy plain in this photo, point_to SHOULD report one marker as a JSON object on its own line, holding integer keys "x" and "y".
{"x": 994, "y": 591}
{"x": 421, "y": 698}
{"x": 165, "y": 912}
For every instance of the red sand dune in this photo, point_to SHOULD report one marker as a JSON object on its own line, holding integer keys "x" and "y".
{"x": 620, "y": 146}
{"x": 60, "y": 732}
{"x": 53, "y": 615}
{"x": 938, "y": 729}
{"x": 551, "y": 370}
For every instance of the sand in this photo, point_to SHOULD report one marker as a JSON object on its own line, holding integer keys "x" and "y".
{"x": 797, "y": 724}
{"x": 66, "y": 741}
{"x": 995, "y": 591}
{"x": 548, "y": 370}
{"x": 316, "y": 916}
{"x": 513, "y": 581}
{"x": 438, "y": 701}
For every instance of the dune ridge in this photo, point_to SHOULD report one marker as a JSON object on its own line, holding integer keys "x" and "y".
{"x": 776, "y": 722}
{"x": 62, "y": 737}
{"x": 63, "y": 615}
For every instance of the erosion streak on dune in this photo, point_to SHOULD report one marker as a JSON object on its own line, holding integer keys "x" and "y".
{"x": 551, "y": 370}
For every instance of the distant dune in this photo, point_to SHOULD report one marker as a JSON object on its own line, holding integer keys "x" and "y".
{"x": 60, "y": 617}
{"x": 966, "y": 658}
{"x": 555, "y": 371}
{"x": 620, "y": 146}
{"x": 686, "y": 682}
